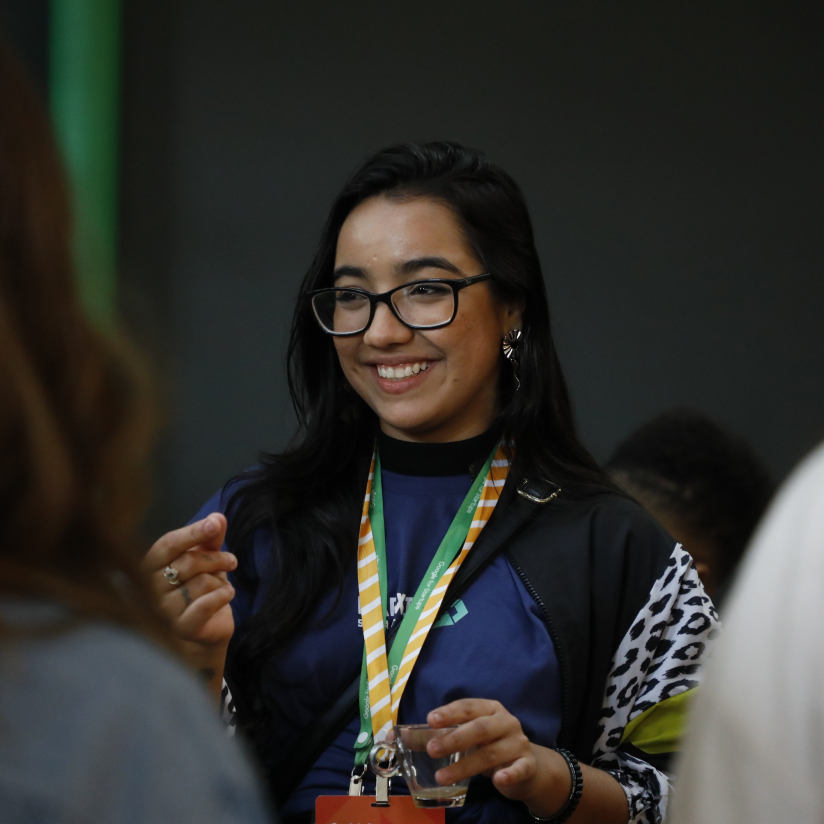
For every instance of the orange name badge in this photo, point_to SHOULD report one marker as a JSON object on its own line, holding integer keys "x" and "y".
{"x": 352, "y": 809}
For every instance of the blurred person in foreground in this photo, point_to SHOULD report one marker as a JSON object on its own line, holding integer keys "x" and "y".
{"x": 97, "y": 721}
{"x": 755, "y": 750}
{"x": 705, "y": 485}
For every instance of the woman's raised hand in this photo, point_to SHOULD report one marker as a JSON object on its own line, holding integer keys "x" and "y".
{"x": 198, "y": 605}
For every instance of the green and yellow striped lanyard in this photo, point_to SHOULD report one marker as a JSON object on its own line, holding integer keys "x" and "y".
{"x": 383, "y": 678}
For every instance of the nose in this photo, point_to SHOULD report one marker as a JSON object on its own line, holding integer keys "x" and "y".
{"x": 386, "y": 330}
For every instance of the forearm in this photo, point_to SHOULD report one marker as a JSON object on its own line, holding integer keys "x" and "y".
{"x": 213, "y": 678}
{"x": 603, "y": 801}
{"x": 209, "y": 663}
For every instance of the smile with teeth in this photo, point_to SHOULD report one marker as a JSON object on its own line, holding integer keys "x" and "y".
{"x": 401, "y": 370}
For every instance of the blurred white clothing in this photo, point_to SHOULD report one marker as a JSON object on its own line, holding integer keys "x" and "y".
{"x": 755, "y": 750}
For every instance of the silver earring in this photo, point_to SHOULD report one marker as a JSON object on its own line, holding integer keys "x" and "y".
{"x": 511, "y": 344}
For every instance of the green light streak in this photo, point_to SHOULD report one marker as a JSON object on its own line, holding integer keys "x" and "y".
{"x": 84, "y": 86}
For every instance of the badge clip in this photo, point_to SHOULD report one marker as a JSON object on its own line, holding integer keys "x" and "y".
{"x": 356, "y": 781}
{"x": 382, "y": 787}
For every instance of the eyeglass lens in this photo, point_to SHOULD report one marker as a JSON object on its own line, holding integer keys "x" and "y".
{"x": 418, "y": 304}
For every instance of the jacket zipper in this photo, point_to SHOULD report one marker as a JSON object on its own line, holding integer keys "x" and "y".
{"x": 553, "y": 634}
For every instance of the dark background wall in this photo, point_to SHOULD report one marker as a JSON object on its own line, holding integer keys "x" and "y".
{"x": 26, "y": 24}
{"x": 671, "y": 154}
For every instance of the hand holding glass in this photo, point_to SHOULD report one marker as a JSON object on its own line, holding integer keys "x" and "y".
{"x": 404, "y": 751}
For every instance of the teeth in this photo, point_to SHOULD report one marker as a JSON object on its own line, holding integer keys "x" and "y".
{"x": 402, "y": 371}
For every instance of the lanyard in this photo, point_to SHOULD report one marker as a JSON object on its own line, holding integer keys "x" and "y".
{"x": 383, "y": 678}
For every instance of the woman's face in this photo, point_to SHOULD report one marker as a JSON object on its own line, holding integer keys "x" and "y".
{"x": 452, "y": 391}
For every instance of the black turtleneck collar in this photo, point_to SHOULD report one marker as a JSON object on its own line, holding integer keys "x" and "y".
{"x": 437, "y": 459}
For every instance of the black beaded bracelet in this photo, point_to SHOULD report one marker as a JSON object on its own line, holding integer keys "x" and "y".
{"x": 574, "y": 794}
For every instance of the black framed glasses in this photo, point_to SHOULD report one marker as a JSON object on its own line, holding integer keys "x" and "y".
{"x": 422, "y": 304}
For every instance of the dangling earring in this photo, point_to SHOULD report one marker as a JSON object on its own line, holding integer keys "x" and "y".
{"x": 511, "y": 343}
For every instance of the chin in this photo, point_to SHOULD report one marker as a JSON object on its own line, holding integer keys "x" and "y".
{"x": 412, "y": 428}
{"x": 410, "y": 423}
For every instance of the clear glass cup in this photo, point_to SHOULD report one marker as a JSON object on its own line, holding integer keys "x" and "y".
{"x": 404, "y": 751}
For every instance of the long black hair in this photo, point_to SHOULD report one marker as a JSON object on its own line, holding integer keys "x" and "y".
{"x": 312, "y": 493}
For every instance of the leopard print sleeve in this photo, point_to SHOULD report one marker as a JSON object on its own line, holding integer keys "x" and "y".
{"x": 227, "y": 710}
{"x": 652, "y": 677}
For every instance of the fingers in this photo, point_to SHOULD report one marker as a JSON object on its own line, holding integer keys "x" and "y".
{"x": 486, "y": 760}
{"x": 192, "y": 563}
{"x": 494, "y": 741}
{"x": 459, "y": 712}
{"x": 198, "y": 605}
{"x": 175, "y": 602}
{"x": 208, "y": 534}
{"x": 519, "y": 771}
{"x": 201, "y": 609}
{"x": 495, "y": 738}
{"x": 207, "y": 619}
{"x": 475, "y": 733}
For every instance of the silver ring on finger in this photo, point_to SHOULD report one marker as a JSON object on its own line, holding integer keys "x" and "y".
{"x": 171, "y": 575}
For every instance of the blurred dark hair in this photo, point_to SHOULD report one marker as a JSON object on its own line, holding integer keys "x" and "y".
{"x": 313, "y": 492}
{"x": 709, "y": 478}
{"x": 75, "y": 416}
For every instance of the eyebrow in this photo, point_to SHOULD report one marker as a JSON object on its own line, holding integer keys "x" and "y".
{"x": 408, "y": 267}
{"x": 349, "y": 271}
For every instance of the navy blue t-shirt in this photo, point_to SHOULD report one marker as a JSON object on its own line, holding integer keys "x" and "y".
{"x": 493, "y": 644}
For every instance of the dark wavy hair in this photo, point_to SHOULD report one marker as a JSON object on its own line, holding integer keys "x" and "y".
{"x": 685, "y": 463}
{"x": 312, "y": 492}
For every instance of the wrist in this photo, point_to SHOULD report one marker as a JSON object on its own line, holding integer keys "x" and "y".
{"x": 553, "y": 783}
{"x": 203, "y": 659}
{"x": 546, "y": 809}
{"x": 208, "y": 664}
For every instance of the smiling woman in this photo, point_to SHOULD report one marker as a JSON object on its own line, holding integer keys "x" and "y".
{"x": 437, "y": 546}
{"x": 453, "y": 395}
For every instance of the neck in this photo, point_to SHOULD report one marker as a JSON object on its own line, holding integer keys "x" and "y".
{"x": 464, "y": 457}
{"x": 481, "y": 418}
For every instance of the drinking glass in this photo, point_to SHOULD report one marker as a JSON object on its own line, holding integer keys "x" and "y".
{"x": 404, "y": 751}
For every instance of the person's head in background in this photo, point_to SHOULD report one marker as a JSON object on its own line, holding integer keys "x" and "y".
{"x": 75, "y": 417}
{"x": 704, "y": 484}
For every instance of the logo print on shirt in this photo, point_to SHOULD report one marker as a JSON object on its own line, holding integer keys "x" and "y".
{"x": 457, "y": 611}
{"x": 398, "y": 604}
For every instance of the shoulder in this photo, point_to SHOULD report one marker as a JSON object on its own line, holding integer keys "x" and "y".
{"x": 608, "y": 528}
{"x": 606, "y": 510}
{"x": 98, "y": 701}
{"x": 595, "y": 559}
{"x": 225, "y": 497}
{"x": 128, "y": 670}
{"x": 258, "y": 547}
{"x": 102, "y": 671}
